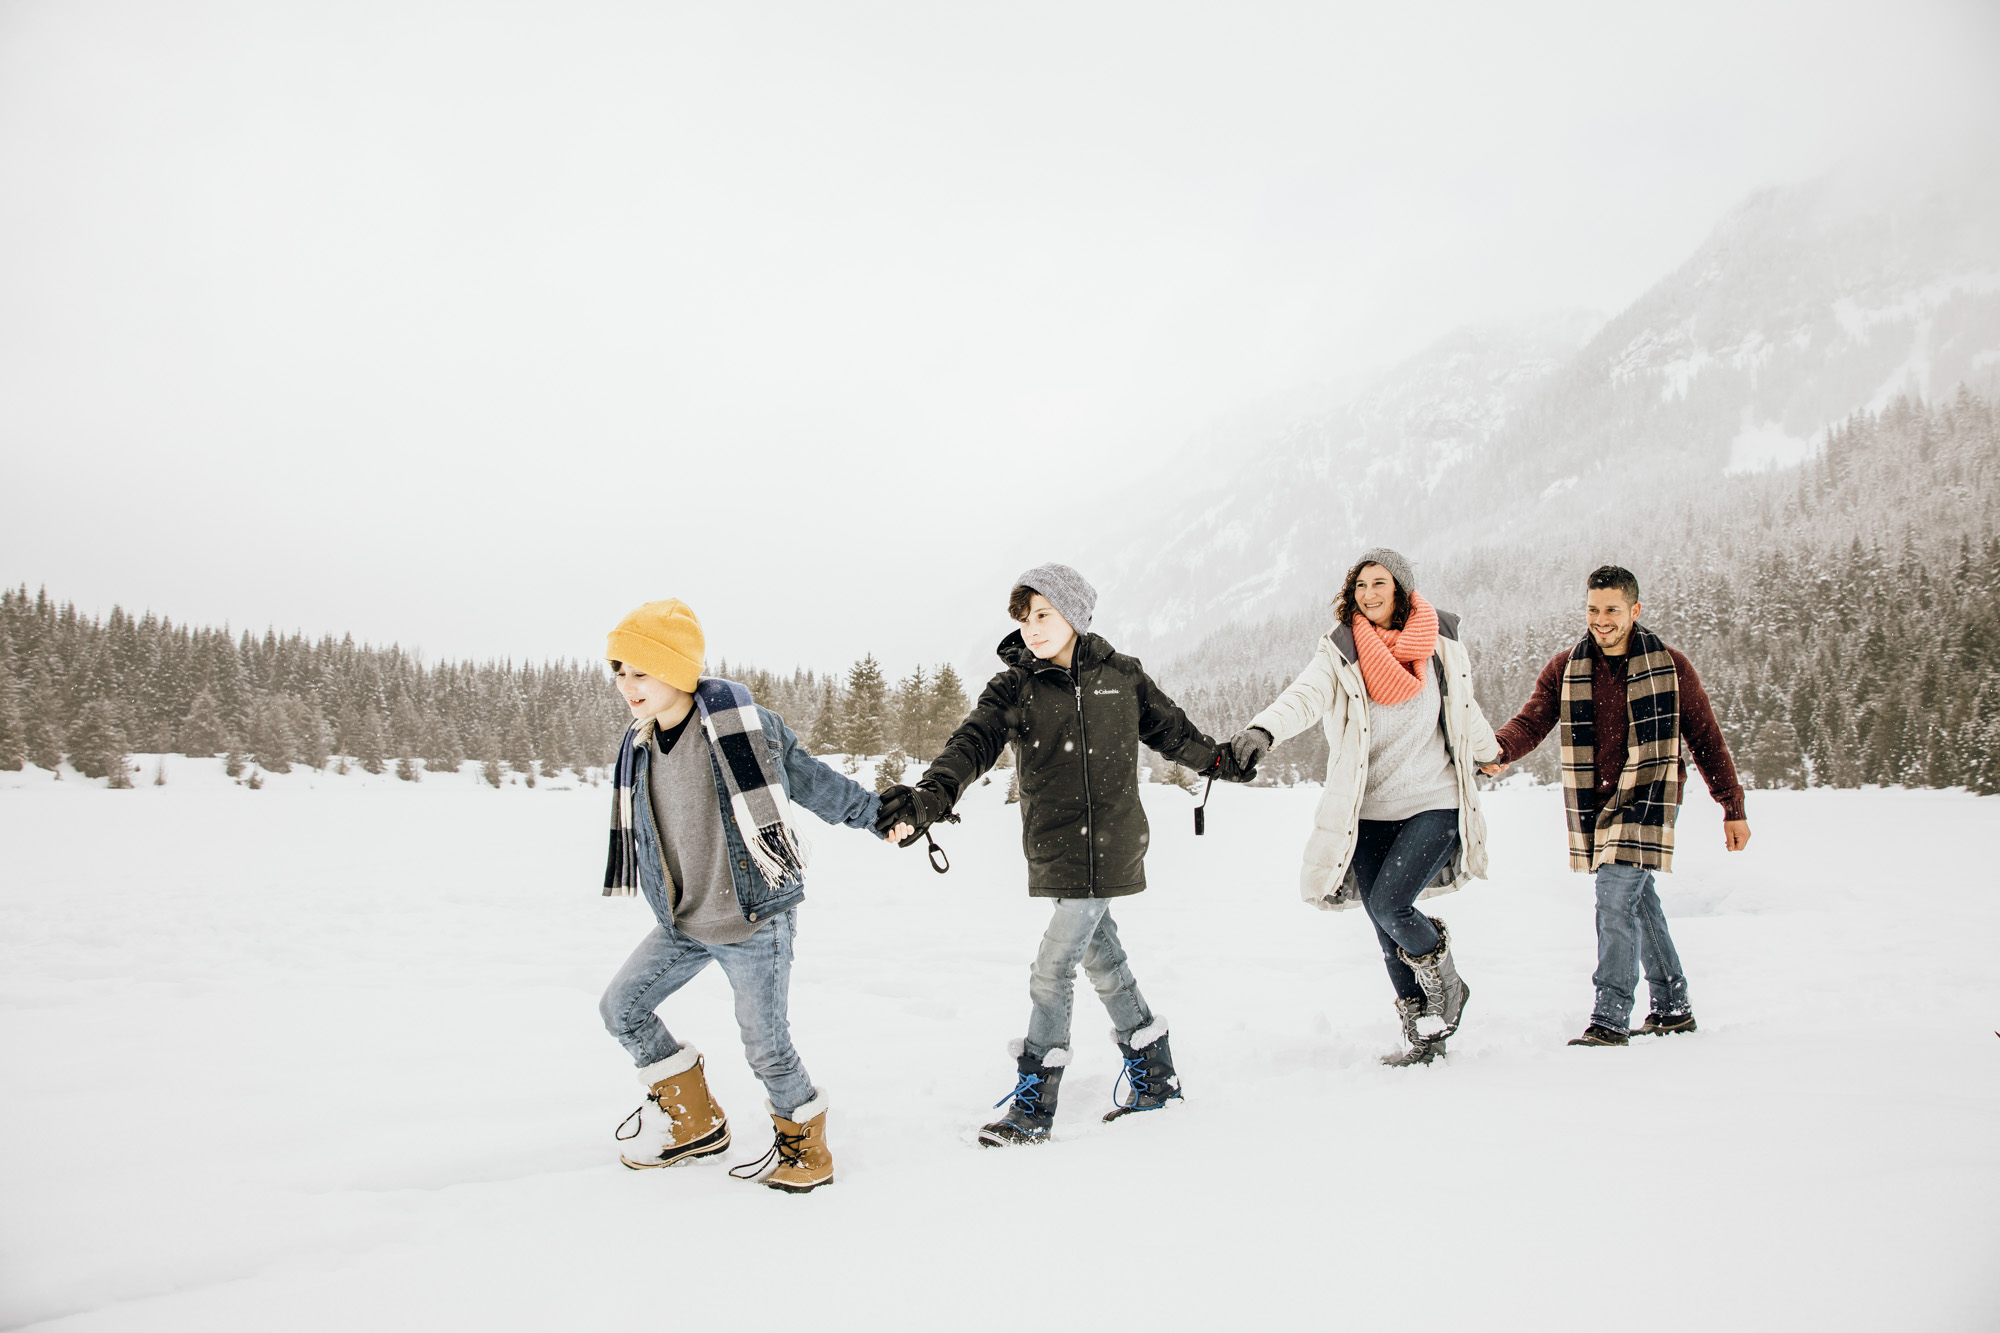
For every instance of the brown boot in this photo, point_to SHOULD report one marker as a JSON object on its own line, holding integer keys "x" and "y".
{"x": 680, "y": 1122}
{"x": 798, "y": 1148}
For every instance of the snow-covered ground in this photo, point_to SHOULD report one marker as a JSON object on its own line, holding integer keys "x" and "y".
{"x": 330, "y": 1059}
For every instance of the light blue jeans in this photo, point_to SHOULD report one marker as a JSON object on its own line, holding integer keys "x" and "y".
{"x": 1632, "y": 929}
{"x": 1081, "y": 931}
{"x": 759, "y": 972}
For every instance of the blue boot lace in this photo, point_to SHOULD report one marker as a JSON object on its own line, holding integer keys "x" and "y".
{"x": 1027, "y": 1094}
{"x": 1133, "y": 1077}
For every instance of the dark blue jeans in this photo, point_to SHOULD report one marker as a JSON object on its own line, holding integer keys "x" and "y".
{"x": 1393, "y": 860}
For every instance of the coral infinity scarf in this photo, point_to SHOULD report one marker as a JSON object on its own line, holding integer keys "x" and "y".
{"x": 1393, "y": 661}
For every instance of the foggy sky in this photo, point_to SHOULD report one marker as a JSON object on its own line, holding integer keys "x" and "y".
{"x": 472, "y": 325}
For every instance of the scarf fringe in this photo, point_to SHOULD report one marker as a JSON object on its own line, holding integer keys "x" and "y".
{"x": 776, "y": 851}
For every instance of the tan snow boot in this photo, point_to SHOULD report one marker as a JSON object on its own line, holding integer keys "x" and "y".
{"x": 680, "y": 1121}
{"x": 798, "y": 1148}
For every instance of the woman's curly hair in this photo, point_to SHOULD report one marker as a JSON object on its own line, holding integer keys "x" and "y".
{"x": 1345, "y": 609}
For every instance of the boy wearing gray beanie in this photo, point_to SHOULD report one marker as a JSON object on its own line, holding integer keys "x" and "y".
{"x": 1076, "y": 711}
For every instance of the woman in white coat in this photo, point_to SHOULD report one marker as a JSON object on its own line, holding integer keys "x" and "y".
{"x": 1399, "y": 819}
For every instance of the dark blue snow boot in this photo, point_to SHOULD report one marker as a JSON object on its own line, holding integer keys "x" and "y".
{"x": 1148, "y": 1079}
{"x": 1031, "y": 1106}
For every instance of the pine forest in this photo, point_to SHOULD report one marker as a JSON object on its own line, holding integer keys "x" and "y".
{"x": 1844, "y": 616}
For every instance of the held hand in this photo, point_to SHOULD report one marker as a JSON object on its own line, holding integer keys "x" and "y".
{"x": 1494, "y": 769}
{"x": 1736, "y": 834}
{"x": 1248, "y": 746}
{"x": 908, "y": 811}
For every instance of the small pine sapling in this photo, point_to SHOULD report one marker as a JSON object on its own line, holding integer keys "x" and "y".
{"x": 889, "y": 772}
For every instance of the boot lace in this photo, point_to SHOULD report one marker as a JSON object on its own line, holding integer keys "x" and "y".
{"x": 635, "y": 1120}
{"x": 1133, "y": 1078}
{"x": 1027, "y": 1093}
{"x": 786, "y": 1150}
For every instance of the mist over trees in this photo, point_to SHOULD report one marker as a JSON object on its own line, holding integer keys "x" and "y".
{"x": 1844, "y": 615}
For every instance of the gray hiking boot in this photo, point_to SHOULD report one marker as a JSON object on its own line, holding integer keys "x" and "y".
{"x": 1422, "y": 1050}
{"x": 1445, "y": 993}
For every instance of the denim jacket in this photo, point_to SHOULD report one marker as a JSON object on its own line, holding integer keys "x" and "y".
{"x": 808, "y": 783}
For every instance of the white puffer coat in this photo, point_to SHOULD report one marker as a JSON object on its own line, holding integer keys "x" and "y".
{"x": 1329, "y": 691}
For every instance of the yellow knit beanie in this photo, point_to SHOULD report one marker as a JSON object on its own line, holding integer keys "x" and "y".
{"x": 661, "y": 639}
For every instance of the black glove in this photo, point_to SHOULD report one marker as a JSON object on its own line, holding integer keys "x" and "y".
{"x": 1248, "y": 746}
{"x": 919, "y": 807}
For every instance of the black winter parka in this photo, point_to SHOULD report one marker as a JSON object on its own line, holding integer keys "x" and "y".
{"x": 1077, "y": 732}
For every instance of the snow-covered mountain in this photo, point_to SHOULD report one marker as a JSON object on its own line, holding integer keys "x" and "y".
{"x": 1805, "y": 304}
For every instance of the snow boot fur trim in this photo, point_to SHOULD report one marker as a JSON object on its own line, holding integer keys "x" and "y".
{"x": 1444, "y": 993}
{"x": 1056, "y": 1057}
{"x": 1422, "y": 1050}
{"x": 1148, "y": 1078}
{"x": 1031, "y": 1106}
{"x": 1661, "y": 1025}
{"x": 799, "y": 1160}
{"x": 680, "y": 1120}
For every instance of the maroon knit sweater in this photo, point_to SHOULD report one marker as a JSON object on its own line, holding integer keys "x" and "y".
{"x": 1607, "y": 692}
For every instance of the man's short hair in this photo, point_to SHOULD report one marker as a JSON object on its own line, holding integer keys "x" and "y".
{"x": 1017, "y": 603}
{"x": 1614, "y": 576}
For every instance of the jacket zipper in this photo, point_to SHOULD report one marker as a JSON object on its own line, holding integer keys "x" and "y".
{"x": 1089, "y": 818}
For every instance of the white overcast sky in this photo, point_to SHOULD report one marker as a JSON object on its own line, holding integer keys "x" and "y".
{"x": 472, "y": 325}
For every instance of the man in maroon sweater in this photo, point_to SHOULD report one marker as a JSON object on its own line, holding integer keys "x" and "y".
{"x": 1621, "y": 826}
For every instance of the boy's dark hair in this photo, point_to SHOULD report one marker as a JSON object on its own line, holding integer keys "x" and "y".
{"x": 1345, "y": 610}
{"x": 1017, "y": 603}
{"x": 1614, "y": 576}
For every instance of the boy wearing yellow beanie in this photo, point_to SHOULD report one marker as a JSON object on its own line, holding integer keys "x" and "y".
{"x": 702, "y": 825}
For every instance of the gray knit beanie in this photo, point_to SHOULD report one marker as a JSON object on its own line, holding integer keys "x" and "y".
{"x": 1068, "y": 592}
{"x": 1399, "y": 568}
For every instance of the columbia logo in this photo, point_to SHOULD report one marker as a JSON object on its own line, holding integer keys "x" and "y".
{"x": 1104, "y": 691}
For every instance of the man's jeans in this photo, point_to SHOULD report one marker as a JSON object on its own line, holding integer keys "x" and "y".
{"x": 1081, "y": 931}
{"x": 1632, "y": 929}
{"x": 759, "y": 972}
{"x": 1394, "y": 860}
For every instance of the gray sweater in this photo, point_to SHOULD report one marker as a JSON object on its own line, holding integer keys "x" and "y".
{"x": 1409, "y": 771}
{"x": 689, "y": 817}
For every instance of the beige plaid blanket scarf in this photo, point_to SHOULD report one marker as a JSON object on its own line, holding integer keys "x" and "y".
{"x": 1635, "y": 826}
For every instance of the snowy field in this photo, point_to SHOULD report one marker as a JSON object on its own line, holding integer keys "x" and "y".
{"x": 330, "y": 1059}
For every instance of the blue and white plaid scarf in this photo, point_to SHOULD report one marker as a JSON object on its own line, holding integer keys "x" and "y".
{"x": 756, "y": 794}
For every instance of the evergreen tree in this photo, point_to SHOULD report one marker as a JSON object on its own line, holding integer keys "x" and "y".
{"x": 947, "y": 708}
{"x": 272, "y": 742}
{"x": 889, "y": 772}
{"x": 202, "y": 730}
{"x": 515, "y": 746}
{"x": 406, "y": 728}
{"x": 370, "y": 745}
{"x": 13, "y": 732}
{"x": 41, "y": 727}
{"x": 97, "y": 743}
{"x": 867, "y": 729}
{"x": 315, "y": 737}
{"x": 829, "y": 731}
{"x": 910, "y": 710}
{"x": 407, "y": 770}
{"x": 445, "y": 752}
